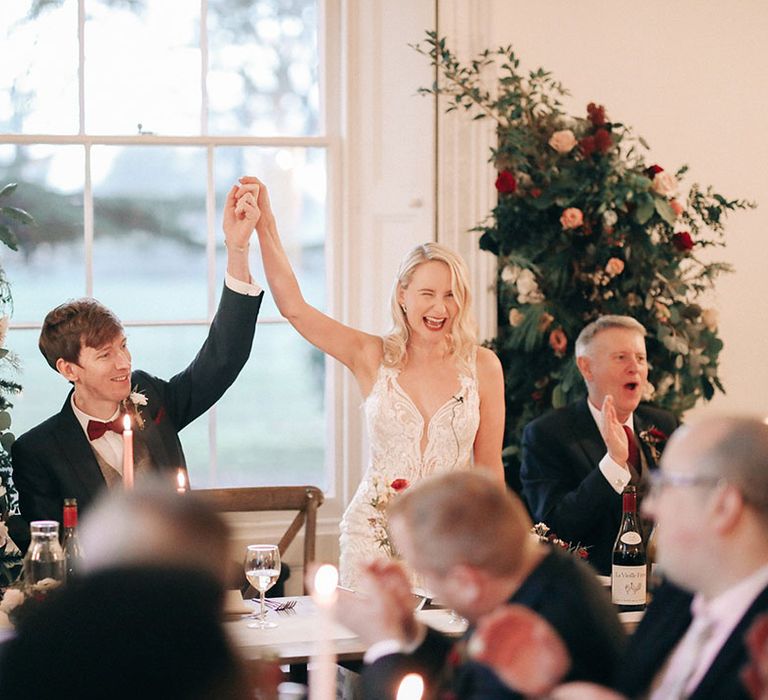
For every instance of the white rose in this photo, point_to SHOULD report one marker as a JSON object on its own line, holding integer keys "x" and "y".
{"x": 528, "y": 291}
{"x": 610, "y": 217}
{"x": 510, "y": 273}
{"x": 563, "y": 141}
{"x": 710, "y": 318}
{"x": 664, "y": 183}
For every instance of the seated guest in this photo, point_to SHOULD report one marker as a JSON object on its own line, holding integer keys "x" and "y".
{"x": 577, "y": 460}
{"x": 470, "y": 541}
{"x": 710, "y": 500}
{"x": 77, "y": 453}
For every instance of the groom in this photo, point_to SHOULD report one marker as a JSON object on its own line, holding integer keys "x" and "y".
{"x": 78, "y": 452}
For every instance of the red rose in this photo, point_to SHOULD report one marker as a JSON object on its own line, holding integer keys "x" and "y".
{"x": 603, "y": 141}
{"x": 505, "y": 182}
{"x": 653, "y": 170}
{"x": 587, "y": 145}
{"x": 596, "y": 114}
{"x": 535, "y": 192}
{"x": 656, "y": 434}
{"x": 400, "y": 484}
{"x": 682, "y": 241}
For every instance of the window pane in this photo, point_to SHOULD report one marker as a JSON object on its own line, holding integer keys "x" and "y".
{"x": 263, "y": 68}
{"x": 49, "y": 266}
{"x": 270, "y": 424}
{"x": 296, "y": 179}
{"x": 149, "y": 259}
{"x": 142, "y": 66}
{"x": 38, "y": 80}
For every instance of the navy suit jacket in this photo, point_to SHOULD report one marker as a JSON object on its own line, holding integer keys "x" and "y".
{"x": 663, "y": 625}
{"x": 55, "y": 460}
{"x": 561, "y": 480}
{"x": 561, "y": 589}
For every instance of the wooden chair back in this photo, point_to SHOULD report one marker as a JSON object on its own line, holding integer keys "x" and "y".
{"x": 303, "y": 499}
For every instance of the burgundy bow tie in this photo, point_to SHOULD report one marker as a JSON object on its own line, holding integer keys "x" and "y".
{"x": 97, "y": 428}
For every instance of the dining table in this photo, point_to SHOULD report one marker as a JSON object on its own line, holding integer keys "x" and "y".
{"x": 299, "y": 629}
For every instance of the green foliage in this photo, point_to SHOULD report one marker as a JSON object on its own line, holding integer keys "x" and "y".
{"x": 10, "y": 217}
{"x": 584, "y": 226}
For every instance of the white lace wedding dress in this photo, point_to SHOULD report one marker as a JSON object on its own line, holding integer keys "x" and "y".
{"x": 395, "y": 429}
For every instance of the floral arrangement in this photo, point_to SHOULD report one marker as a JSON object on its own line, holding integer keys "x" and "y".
{"x": 585, "y": 226}
{"x": 381, "y": 494}
{"x": 542, "y": 533}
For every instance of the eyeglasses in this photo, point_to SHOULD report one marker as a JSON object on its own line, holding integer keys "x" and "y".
{"x": 659, "y": 480}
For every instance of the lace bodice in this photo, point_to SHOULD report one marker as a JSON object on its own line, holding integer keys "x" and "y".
{"x": 395, "y": 431}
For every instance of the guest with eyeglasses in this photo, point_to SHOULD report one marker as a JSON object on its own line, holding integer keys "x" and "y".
{"x": 577, "y": 460}
{"x": 703, "y": 635}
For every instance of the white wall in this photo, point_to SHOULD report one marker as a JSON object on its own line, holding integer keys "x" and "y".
{"x": 690, "y": 76}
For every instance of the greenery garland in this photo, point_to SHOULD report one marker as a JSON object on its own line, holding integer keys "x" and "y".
{"x": 584, "y": 226}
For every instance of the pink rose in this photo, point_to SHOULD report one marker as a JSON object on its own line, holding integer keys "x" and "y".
{"x": 677, "y": 208}
{"x": 572, "y": 218}
{"x": 515, "y": 317}
{"x": 709, "y": 317}
{"x": 563, "y": 141}
{"x": 664, "y": 183}
{"x": 558, "y": 341}
{"x": 615, "y": 266}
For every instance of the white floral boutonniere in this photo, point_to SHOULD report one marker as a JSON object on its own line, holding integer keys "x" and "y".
{"x": 131, "y": 406}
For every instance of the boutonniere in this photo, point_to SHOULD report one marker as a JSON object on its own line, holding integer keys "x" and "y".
{"x": 131, "y": 407}
{"x": 655, "y": 439}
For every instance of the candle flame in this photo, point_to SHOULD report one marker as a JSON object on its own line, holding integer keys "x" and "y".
{"x": 411, "y": 687}
{"x": 181, "y": 480}
{"x": 326, "y": 580}
{"x": 126, "y": 422}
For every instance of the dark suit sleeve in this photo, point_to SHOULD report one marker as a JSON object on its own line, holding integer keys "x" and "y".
{"x": 563, "y": 488}
{"x": 39, "y": 494}
{"x": 226, "y": 349}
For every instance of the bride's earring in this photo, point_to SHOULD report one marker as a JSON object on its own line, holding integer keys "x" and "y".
{"x": 402, "y": 306}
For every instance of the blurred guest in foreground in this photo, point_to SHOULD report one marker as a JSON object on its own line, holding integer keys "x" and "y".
{"x": 144, "y": 621}
{"x": 471, "y": 542}
{"x": 710, "y": 502}
{"x": 577, "y": 460}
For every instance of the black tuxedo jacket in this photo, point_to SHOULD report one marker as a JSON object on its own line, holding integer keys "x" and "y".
{"x": 54, "y": 460}
{"x": 663, "y": 625}
{"x": 561, "y": 589}
{"x": 561, "y": 480}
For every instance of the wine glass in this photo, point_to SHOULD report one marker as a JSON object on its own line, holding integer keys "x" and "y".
{"x": 262, "y": 567}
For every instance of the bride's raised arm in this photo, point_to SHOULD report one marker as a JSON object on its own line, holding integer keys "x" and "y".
{"x": 359, "y": 351}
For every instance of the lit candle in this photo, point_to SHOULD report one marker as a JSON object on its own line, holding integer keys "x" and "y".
{"x": 181, "y": 481}
{"x": 411, "y": 687}
{"x": 127, "y": 453}
{"x": 322, "y": 671}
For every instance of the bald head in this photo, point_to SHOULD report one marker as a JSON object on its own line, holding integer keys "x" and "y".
{"x": 729, "y": 447}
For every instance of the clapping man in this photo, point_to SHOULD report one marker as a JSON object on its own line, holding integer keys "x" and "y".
{"x": 577, "y": 460}
{"x": 471, "y": 542}
{"x": 77, "y": 453}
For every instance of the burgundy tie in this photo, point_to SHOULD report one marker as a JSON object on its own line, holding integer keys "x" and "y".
{"x": 97, "y": 428}
{"x": 634, "y": 453}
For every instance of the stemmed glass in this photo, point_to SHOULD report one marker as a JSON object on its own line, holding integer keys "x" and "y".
{"x": 262, "y": 567}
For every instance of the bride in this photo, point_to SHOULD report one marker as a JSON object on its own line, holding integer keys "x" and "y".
{"x": 434, "y": 399}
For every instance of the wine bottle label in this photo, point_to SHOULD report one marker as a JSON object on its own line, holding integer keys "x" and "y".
{"x": 631, "y": 538}
{"x": 628, "y": 585}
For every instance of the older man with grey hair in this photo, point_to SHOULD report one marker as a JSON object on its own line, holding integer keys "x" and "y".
{"x": 577, "y": 460}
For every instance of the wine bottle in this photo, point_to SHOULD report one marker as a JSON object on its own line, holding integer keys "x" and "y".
{"x": 70, "y": 542}
{"x": 629, "y": 571}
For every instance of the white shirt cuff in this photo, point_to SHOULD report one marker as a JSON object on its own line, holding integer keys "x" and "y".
{"x": 249, "y": 289}
{"x": 385, "y": 647}
{"x": 617, "y": 476}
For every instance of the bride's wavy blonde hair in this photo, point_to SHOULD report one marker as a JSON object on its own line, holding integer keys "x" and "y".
{"x": 463, "y": 336}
